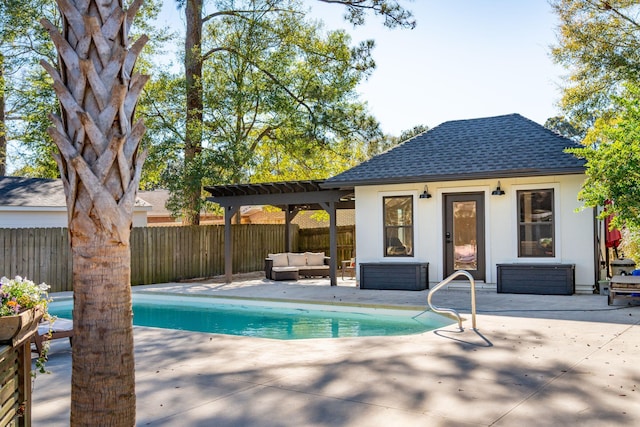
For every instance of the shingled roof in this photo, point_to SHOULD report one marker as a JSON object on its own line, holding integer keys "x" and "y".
{"x": 501, "y": 146}
{"x": 19, "y": 191}
{"x": 37, "y": 192}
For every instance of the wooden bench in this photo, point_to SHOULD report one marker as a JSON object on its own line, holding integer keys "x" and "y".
{"x": 61, "y": 328}
{"x": 623, "y": 285}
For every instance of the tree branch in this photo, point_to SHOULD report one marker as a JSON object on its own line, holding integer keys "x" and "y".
{"x": 607, "y": 6}
{"x": 166, "y": 123}
{"x": 264, "y": 71}
{"x": 394, "y": 14}
{"x": 239, "y": 13}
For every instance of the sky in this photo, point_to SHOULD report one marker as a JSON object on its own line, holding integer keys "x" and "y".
{"x": 465, "y": 59}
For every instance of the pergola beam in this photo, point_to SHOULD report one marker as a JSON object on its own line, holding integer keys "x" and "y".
{"x": 276, "y": 199}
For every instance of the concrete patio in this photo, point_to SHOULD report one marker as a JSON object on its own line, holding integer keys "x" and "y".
{"x": 534, "y": 360}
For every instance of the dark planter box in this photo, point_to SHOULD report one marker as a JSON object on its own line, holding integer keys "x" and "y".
{"x": 394, "y": 276}
{"x": 538, "y": 279}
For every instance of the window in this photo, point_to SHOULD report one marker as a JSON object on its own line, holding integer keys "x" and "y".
{"x": 398, "y": 226}
{"x": 535, "y": 223}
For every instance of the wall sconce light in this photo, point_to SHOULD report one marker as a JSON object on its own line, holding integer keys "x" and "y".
{"x": 425, "y": 194}
{"x": 498, "y": 191}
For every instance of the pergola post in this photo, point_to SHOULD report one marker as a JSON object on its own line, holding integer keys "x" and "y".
{"x": 289, "y": 214}
{"x": 229, "y": 212}
{"x": 333, "y": 241}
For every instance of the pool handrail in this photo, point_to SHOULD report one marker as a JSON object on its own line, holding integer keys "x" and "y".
{"x": 451, "y": 310}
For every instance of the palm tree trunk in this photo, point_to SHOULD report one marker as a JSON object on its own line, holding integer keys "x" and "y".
{"x": 100, "y": 166}
{"x": 102, "y": 379}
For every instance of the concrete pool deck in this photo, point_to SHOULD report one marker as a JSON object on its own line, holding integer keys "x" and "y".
{"x": 535, "y": 360}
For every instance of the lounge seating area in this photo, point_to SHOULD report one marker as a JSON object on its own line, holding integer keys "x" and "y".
{"x": 292, "y": 266}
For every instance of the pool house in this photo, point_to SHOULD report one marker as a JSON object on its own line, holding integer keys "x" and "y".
{"x": 495, "y": 196}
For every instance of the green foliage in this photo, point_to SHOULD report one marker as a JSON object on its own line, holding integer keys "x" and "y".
{"x": 162, "y": 108}
{"x": 279, "y": 102}
{"x": 562, "y": 126}
{"x": 34, "y": 100}
{"x": 394, "y": 14}
{"x": 27, "y": 89}
{"x": 612, "y": 151}
{"x": 630, "y": 245}
{"x": 22, "y": 44}
{"x": 279, "y": 96}
{"x": 269, "y": 95}
{"x": 599, "y": 44}
{"x": 414, "y": 131}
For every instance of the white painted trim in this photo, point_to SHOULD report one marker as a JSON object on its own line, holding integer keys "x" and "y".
{"x": 557, "y": 208}
{"x": 486, "y": 189}
{"x": 33, "y": 208}
{"x": 416, "y": 226}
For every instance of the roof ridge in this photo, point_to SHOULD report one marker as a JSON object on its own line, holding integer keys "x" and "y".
{"x": 484, "y": 118}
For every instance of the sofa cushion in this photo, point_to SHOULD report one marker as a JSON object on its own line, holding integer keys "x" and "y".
{"x": 314, "y": 268}
{"x": 297, "y": 260}
{"x": 279, "y": 260}
{"x": 315, "y": 258}
{"x": 285, "y": 269}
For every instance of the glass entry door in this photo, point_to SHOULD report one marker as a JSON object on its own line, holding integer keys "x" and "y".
{"x": 464, "y": 234}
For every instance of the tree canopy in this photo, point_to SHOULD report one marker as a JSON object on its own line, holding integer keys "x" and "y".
{"x": 564, "y": 127}
{"x": 25, "y": 91}
{"x": 599, "y": 45}
{"x": 612, "y": 151}
{"x": 269, "y": 95}
{"x": 394, "y": 14}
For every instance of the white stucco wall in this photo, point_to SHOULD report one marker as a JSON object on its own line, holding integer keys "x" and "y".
{"x": 574, "y": 231}
{"x": 38, "y": 217}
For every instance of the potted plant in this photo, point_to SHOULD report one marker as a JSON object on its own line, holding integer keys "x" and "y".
{"x": 23, "y": 305}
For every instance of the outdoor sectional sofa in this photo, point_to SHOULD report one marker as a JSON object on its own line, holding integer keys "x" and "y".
{"x": 290, "y": 266}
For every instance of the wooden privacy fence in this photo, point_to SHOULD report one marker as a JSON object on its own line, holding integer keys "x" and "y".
{"x": 158, "y": 254}
{"x": 317, "y": 240}
{"x": 165, "y": 254}
{"x": 39, "y": 254}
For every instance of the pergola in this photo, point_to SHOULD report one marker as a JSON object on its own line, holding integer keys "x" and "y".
{"x": 292, "y": 197}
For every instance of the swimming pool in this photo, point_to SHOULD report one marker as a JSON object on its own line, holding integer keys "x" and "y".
{"x": 269, "y": 319}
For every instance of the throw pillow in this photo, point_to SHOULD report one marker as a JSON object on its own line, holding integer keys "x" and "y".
{"x": 279, "y": 260}
{"x": 296, "y": 260}
{"x": 315, "y": 258}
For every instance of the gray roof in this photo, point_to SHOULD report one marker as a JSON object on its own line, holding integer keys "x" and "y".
{"x": 502, "y": 147}
{"x": 19, "y": 191}
{"x": 36, "y": 192}
{"x": 158, "y": 200}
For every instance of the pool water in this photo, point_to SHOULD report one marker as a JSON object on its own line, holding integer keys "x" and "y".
{"x": 268, "y": 319}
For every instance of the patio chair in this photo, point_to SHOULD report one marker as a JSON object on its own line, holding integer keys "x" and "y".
{"x": 61, "y": 328}
{"x": 350, "y": 267}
